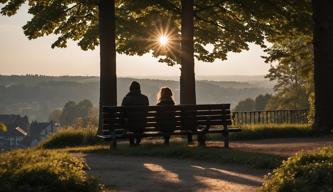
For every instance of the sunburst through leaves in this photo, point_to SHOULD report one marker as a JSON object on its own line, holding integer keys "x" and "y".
{"x": 163, "y": 40}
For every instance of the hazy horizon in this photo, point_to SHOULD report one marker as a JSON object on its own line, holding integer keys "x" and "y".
{"x": 38, "y": 96}
{"x": 239, "y": 78}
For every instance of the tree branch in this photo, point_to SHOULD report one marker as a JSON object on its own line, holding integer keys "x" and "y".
{"x": 209, "y": 7}
{"x": 169, "y": 5}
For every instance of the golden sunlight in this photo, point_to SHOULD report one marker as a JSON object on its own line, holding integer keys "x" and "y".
{"x": 163, "y": 40}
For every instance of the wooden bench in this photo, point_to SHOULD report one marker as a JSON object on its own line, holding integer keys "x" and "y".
{"x": 183, "y": 119}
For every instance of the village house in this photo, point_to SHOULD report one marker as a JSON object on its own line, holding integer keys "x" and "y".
{"x": 38, "y": 132}
{"x": 17, "y": 129}
{"x": 19, "y": 133}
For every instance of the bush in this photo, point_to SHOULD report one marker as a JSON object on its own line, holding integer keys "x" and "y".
{"x": 303, "y": 172}
{"x": 71, "y": 137}
{"x": 40, "y": 170}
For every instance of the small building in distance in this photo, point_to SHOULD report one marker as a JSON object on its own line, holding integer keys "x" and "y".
{"x": 38, "y": 132}
{"x": 19, "y": 133}
{"x": 17, "y": 128}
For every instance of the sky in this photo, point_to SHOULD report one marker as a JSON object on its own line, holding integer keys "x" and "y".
{"x": 18, "y": 55}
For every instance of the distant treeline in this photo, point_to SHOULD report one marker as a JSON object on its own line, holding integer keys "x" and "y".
{"x": 37, "y": 96}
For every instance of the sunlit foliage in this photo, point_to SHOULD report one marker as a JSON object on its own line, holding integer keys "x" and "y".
{"x": 220, "y": 26}
{"x": 303, "y": 172}
{"x": 36, "y": 170}
{"x": 291, "y": 58}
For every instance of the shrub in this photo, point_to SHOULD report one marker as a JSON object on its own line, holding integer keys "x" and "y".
{"x": 303, "y": 172}
{"x": 40, "y": 170}
{"x": 71, "y": 137}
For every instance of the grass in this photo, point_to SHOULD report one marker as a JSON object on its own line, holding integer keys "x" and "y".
{"x": 87, "y": 136}
{"x": 269, "y": 131}
{"x": 44, "y": 170}
{"x": 71, "y": 137}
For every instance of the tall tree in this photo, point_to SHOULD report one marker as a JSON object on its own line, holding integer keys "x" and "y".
{"x": 291, "y": 58}
{"x": 261, "y": 101}
{"x": 323, "y": 65}
{"x": 187, "y": 77}
{"x": 245, "y": 105}
{"x": 292, "y": 71}
{"x": 68, "y": 113}
{"x": 310, "y": 24}
{"x": 89, "y": 22}
{"x": 220, "y": 26}
{"x": 107, "y": 38}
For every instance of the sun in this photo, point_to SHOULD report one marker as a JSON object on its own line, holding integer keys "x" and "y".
{"x": 163, "y": 39}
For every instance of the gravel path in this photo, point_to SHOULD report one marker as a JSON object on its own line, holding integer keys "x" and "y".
{"x": 158, "y": 174}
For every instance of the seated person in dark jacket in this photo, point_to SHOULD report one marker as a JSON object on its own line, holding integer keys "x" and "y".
{"x": 135, "y": 98}
{"x": 166, "y": 120}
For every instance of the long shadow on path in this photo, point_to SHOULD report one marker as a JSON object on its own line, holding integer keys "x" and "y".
{"x": 158, "y": 174}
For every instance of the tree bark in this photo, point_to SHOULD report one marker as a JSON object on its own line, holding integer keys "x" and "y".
{"x": 108, "y": 76}
{"x": 187, "y": 77}
{"x": 323, "y": 65}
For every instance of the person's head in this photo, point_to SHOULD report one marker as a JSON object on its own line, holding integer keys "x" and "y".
{"x": 135, "y": 87}
{"x": 164, "y": 94}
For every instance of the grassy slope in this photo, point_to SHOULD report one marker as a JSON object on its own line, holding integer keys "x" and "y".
{"x": 84, "y": 137}
{"x": 89, "y": 143}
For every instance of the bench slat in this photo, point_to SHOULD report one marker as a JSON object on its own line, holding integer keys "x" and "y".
{"x": 112, "y": 109}
{"x": 161, "y": 112}
{"x": 155, "y": 133}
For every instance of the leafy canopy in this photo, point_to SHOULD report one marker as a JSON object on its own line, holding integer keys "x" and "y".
{"x": 221, "y": 26}
{"x": 291, "y": 58}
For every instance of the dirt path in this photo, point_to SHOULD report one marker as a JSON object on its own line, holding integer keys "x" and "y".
{"x": 283, "y": 147}
{"x": 158, "y": 174}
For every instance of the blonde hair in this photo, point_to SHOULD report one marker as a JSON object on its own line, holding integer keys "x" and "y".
{"x": 164, "y": 94}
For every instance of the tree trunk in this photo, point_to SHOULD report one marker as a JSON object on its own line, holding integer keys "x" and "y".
{"x": 108, "y": 76}
{"x": 323, "y": 65}
{"x": 187, "y": 77}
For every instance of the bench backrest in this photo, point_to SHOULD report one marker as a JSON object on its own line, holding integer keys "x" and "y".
{"x": 153, "y": 118}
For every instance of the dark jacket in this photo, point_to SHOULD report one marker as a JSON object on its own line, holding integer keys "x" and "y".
{"x": 167, "y": 117}
{"x": 166, "y": 102}
{"x": 135, "y": 98}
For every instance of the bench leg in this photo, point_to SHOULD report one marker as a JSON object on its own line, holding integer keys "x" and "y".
{"x": 189, "y": 138}
{"x": 166, "y": 140}
{"x": 131, "y": 140}
{"x": 226, "y": 140}
{"x": 226, "y": 136}
{"x": 114, "y": 142}
{"x": 202, "y": 139}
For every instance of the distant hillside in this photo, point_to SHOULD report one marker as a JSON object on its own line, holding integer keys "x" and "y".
{"x": 37, "y": 96}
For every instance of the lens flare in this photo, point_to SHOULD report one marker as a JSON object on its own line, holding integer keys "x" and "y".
{"x": 163, "y": 40}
